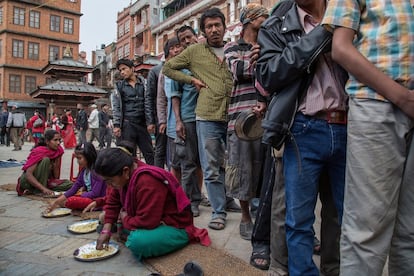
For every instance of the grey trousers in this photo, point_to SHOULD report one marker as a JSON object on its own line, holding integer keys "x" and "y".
{"x": 379, "y": 192}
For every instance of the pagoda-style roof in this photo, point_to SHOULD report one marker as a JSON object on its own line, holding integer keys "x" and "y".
{"x": 67, "y": 65}
{"x": 68, "y": 89}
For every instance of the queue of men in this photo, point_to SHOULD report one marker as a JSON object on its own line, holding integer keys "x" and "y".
{"x": 294, "y": 59}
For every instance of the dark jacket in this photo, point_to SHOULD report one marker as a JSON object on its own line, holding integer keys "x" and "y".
{"x": 82, "y": 120}
{"x": 103, "y": 119}
{"x": 151, "y": 95}
{"x": 287, "y": 53}
{"x": 285, "y": 68}
{"x": 118, "y": 98}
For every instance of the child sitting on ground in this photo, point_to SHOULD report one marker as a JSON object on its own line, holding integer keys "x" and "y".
{"x": 88, "y": 183}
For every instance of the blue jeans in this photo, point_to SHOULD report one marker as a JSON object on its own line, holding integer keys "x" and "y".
{"x": 211, "y": 146}
{"x": 319, "y": 146}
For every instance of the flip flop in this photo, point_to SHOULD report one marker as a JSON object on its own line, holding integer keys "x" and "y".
{"x": 260, "y": 252}
{"x": 246, "y": 229}
{"x": 217, "y": 224}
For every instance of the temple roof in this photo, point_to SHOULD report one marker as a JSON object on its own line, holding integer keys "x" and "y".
{"x": 67, "y": 65}
{"x": 69, "y": 88}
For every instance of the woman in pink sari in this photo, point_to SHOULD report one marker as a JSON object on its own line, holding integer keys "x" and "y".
{"x": 69, "y": 137}
{"x": 41, "y": 171}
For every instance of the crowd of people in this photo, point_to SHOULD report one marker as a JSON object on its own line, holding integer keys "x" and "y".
{"x": 333, "y": 83}
{"x": 88, "y": 126}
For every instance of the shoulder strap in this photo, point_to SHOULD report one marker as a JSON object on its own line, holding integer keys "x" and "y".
{"x": 281, "y": 8}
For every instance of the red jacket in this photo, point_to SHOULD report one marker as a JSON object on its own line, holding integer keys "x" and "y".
{"x": 154, "y": 204}
{"x": 39, "y": 129}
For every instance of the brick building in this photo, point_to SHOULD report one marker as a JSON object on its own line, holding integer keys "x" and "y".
{"x": 145, "y": 25}
{"x": 32, "y": 33}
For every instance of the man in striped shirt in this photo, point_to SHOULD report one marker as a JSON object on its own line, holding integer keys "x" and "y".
{"x": 374, "y": 41}
{"x": 245, "y": 159}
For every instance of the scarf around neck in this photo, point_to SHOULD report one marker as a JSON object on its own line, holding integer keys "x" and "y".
{"x": 161, "y": 175}
{"x": 40, "y": 152}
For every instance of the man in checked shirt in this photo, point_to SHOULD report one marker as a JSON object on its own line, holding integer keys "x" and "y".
{"x": 374, "y": 41}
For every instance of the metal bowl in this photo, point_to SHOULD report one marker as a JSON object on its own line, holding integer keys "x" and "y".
{"x": 248, "y": 126}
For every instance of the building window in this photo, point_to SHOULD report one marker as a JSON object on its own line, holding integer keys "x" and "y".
{"x": 18, "y": 16}
{"x": 49, "y": 80}
{"x": 120, "y": 52}
{"x": 120, "y": 30}
{"x": 55, "y": 23}
{"x": 1, "y": 15}
{"x": 68, "y": 25}
{"x": 30, "y": 84}
{"x": 144, "y": 17}
{"x": 1, "y": 48}
{"x": 126, "y": 50}
{"x": 126, "y": 27}
{"x": 15, "y": 83}
{"x": 34, "y": 19}
{"x": 53, "y": 53}
{"x": 33, "y": 50}
{"x": 18, "y": 48}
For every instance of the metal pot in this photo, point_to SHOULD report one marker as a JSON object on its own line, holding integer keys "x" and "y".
{"x": 248, "y": 126}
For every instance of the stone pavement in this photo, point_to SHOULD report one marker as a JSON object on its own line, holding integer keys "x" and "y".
{"x": 33, "y": 245}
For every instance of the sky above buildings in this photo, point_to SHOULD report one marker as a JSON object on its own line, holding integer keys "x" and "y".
{"x": 98, "y": 23}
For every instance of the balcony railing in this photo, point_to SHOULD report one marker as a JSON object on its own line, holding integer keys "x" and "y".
{"x": 139, "y": 28}
{"x": 139, "y": 50}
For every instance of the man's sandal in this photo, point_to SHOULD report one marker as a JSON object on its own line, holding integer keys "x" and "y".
{"x": 217, "y": 224}
{"x": 260, "y": 253}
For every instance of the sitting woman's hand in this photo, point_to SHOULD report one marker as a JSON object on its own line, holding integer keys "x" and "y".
{"x": 52, "y": 206}
{"x": 90, "y": 207}
{"x": 103, "y": 239}
{"x": 58, "y": 202}
{"x": 122, "y": 215}
{"x": 47, "y": 191}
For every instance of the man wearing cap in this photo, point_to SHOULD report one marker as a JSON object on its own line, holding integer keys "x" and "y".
{"x": 16, "y": 123}
{"x": 244, "y": 161}
{"x": 128, "y": 109}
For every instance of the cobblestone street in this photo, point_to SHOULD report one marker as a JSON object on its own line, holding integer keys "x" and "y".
{"x": 33, "y": 245}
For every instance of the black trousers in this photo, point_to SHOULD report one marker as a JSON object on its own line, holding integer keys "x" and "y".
{"x": 137, "y": 133}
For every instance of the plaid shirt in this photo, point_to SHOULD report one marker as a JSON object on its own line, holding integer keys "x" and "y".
{"x": 204, "y": 65}
{"x": 385, "y": 36}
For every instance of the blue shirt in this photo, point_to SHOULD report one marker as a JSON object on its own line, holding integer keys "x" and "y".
{"x": 188, "y": 94}
{"x": 170, "y": 112}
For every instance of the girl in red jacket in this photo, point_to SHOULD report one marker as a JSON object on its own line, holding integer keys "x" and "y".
{"x": 152, "y": 206}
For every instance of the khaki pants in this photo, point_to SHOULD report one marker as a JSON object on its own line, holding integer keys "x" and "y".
{"x": 379, "y": 195}
{"x": 16, "y": 137}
